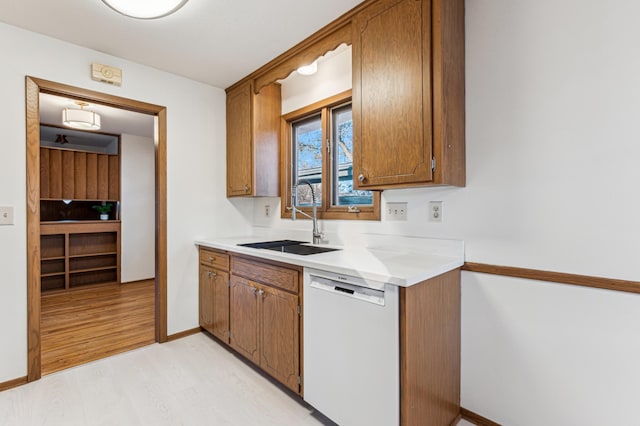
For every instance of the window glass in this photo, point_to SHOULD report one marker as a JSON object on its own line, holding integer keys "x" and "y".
{"x": 317, "y": 153}
{"x": 343, "y": 193}
{"x": 307, "y": 154}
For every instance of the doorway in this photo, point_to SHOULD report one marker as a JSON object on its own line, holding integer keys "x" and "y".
{"x": 34, "y": 87}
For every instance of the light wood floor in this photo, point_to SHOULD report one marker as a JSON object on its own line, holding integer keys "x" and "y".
{"x": 88, "y": 324}
{"x": 189, "y": 381}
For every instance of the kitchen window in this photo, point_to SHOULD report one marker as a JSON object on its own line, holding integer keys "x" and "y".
{"x": 317, "y": 154}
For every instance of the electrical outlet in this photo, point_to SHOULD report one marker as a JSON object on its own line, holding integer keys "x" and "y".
{"x": 267, "y": 210}
{"x": 6, "y": 215}
{"x": 397, "y": 211}
{"x": 435, "y": 211}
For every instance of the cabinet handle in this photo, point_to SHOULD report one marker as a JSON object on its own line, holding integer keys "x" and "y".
{"x": 246, "y": 188}
{"x": 261, "y": 292}
{"x": 213, "y": 274}
{"x": 361, "y": 178}
{"x": 211, "y": 258}
{"x": 253, "y": 289}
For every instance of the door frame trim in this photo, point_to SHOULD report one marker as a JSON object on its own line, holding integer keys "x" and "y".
{"x": 33, "y": 88}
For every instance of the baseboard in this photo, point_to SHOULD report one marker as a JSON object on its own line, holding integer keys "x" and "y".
{"x": 182, "y": 334}
{"x": 13, "y": 383}
{"x": 476, "y": 419}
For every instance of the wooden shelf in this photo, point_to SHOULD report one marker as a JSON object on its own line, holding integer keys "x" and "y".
{"x": 82, "y": 271}
{"x": 76, "y": 254}
{"x": 52, "y": 275}
{"x": 44, "y": 259}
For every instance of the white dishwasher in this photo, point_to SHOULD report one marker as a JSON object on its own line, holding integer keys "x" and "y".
{"x": 351, "y": 349}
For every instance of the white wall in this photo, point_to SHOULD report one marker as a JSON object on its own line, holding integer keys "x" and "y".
{"x": 137, "y": 208}
{"x": 197, "y": 206}
{"x": 553, "y": 141}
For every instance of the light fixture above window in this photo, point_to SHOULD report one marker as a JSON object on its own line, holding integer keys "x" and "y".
{"x": 81, "y": 118}
{"x": 310, "y": 69}
{"x": 145, "y": 9}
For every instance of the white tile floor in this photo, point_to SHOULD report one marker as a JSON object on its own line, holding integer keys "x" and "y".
{"x": 190, "y": 381}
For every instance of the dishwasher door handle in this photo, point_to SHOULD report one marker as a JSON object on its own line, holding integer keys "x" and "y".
{"x": 344, "y": 290}
{"x": 364, "y": 294}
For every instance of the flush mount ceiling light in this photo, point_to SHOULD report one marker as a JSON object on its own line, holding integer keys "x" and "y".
{"x": 145, "y": 9}
{"x": 80, "y": 118}
{"x": 310, "y": 69}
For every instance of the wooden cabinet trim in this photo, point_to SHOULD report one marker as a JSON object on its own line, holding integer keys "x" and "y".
{"x": 214, "y": 258}
{"x": 312, "y": 46}
{"x": 273, "y": 275}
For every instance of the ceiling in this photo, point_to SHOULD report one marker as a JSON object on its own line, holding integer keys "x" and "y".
{"x": 113, "y": 120}
{"x": 212, "y": 41}
{"x": 216, "y": 42}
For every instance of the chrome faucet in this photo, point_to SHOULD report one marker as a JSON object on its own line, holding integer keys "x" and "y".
{"x": 317, "y": 235}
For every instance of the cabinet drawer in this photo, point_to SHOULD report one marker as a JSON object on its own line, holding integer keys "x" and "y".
{"x": 275, "y": 276}
{"x": 214, "y": 258}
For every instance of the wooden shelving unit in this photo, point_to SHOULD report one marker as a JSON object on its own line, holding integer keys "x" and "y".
{"x": 77, "y": 254}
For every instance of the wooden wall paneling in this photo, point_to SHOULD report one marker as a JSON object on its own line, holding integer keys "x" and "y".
{"x": 55, "y": 173}
{"x": 114, "y": 177}
{"x": 68, "y": 175}
{"x": 44, "y": 173}
{"x": 92, "y": 176}
{"x": 80, "y": 175}
{"x": 103, "y": 176}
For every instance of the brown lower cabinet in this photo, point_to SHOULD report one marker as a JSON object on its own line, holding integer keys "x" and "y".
{"x": 254, "y": 307}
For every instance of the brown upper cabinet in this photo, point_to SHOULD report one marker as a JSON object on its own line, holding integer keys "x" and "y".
{"x": 408, "y": 98}
{"x": 253, "y": 126}
{"x": 408, "y": 94}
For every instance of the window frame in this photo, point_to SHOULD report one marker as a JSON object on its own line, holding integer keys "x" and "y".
{"x": 326, "y": 210}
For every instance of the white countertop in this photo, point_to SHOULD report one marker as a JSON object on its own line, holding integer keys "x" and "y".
{"x": 401, "y": 261}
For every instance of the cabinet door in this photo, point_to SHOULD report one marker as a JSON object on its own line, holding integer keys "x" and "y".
{"x": 280, "y": 344}
{"x": 220, "y": 284}
{"x": 392, "y": 94}
{"x": 243, "y": 318}
{"x": 206, "y": 297}
{"x": 239, "y": 141}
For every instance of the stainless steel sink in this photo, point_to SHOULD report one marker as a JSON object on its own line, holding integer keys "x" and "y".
{"x": 289, "y": 246}
{"x": 272, "y": 244}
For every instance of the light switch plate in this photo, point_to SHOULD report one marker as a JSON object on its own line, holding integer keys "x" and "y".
{"x": 6, "y": 215}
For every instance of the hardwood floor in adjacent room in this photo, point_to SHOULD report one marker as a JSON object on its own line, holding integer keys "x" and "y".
{"x": 88, "y": 324}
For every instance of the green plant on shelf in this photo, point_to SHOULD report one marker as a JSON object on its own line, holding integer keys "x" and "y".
{"x": 103, "y": 209}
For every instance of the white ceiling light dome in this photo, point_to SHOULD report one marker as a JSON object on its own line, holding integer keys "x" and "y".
{"x": 81, "y": 118}
{"x": 145, "y": 9}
